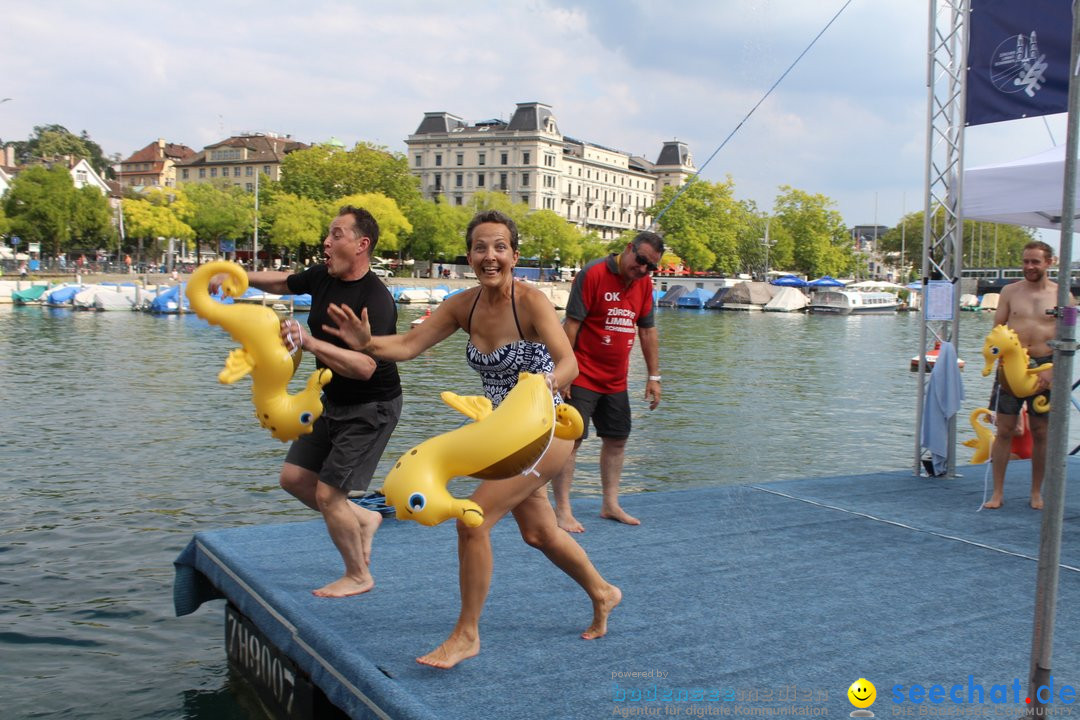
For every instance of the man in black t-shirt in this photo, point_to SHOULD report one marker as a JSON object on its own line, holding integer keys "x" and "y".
{"x": 361, "y": 404}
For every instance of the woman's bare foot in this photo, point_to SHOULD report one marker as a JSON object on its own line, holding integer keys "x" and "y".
{"x": 617, "y": 513}
{"x": 345, "y": 587}
{"x": 994, "y": 502}
{"x": 1036, "y": 501}
{"x": 454, "y": 649}
{"x": 602, "y": 607}
{"x": 568, "y": 522}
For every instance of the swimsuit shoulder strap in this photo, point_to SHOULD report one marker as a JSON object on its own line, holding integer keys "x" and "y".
{"x": 513, "y": 306}
{"x": 468, "y": 323}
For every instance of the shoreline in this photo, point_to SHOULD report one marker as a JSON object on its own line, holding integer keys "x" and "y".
{"x": 152, "y": 279}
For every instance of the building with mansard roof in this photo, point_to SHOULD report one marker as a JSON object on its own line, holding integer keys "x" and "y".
{"x": 239, "y": 159}
{"x": 529, "y": 159}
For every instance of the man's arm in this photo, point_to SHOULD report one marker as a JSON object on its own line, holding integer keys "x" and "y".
{"x": 1001, "y": 315}
{"x": 270, "y": 281}
{"x": 571, "y": 327}
{"x": 650, "y": 348}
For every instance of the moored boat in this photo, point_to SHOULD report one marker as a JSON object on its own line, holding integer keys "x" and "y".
{"x": 852, "y": 302}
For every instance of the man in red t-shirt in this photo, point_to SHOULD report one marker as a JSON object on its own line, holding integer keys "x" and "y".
{"x": 611, "y": 301}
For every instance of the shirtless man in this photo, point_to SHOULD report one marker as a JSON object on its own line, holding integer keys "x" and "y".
{"x": 1022, "y": 306}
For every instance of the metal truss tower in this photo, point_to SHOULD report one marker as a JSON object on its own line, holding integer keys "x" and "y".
{"x": 942, "y": 223}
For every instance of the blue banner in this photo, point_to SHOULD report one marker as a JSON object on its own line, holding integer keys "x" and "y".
{"x": 1018, "y": 59}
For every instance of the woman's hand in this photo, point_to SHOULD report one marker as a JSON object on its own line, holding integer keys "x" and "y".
{"x": 293, "y": 335}
{"x": 355, "y": 331}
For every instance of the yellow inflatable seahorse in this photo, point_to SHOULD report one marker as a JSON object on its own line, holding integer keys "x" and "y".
{"x": 1018, "y": 378}
{"x": 501, "y": 443}
{"x": 263, "y": 354}
{"x": 983, "y": 437}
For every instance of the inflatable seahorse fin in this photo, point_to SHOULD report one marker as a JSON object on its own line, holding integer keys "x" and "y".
{"x": 476, "y": 407}
{"x": 983, "y": 437}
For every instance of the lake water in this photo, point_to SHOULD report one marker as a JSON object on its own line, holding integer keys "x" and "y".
{"x": 118, "y": 444}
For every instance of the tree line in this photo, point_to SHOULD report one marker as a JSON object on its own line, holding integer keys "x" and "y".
{"x": 705, "y": 227}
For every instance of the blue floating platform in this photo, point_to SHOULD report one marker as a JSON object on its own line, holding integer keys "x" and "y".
{"x": 738, "y": 600}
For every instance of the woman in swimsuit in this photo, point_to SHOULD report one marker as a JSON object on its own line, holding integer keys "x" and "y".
{"x": 512, "y": 328}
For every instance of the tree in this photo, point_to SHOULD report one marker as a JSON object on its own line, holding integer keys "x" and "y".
{"x": 91, "y": 221}
{"x": 325, "y": 172}
{"x": 984, "y": 244}
{"x": 52, "y": 141}
{"x": 438, "y": 231}
{"x": 152, "y": 217}
{"x": 546, "y": 235}
{"x": 703, "y": 224}
{"x": 292, "y": 222}
{"x": 40, "y": 203}
{"x": 392, "y": 222}
{"x": 494, "y": 200}
{"x": 217, "y": 212}
{"x": 819, "y": 242}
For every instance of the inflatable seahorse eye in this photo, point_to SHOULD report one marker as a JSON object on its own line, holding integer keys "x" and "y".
{"x": 262, "y": 354}
{"x": 1003, "y": 345}
{"x": 501, "y": 443}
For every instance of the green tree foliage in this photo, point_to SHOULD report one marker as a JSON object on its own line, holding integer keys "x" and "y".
{"x": 325, "y": 173}
{"x": 592, "y": 247}
{"x": 91, "y": 221}
{"x": 818, "y": 236}
{"x": 218, "y": 211}
{"x": 438, "y": 231}
{"x": 754, "y": 257}
{"x": 291, "y": 221}
{"x": 393, "y": 224}
{"x": 984, "y": 244}
{"x": 52, "y": 141}
{"x": 544, "y": 235}
{"x": 40, "y": 204}
{"x": 703, "y": 225}
{"x": 494, "y": 200}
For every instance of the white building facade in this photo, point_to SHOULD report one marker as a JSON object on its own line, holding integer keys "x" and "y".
{"x": 529, "y": 159}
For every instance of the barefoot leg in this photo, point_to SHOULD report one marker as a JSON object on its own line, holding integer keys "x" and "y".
{"x": 612, "y": 452}
{"x": 560, "y": 488}
{"x": 345, "y": 531}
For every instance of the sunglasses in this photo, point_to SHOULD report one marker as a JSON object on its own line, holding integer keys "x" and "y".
{"x": 642, "y": 260}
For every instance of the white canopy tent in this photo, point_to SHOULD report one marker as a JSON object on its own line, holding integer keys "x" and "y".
{"x": 1026, "y": 192}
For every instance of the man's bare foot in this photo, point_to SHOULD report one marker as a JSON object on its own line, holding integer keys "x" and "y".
{"x": 369, "y": 521}
{"x": 568, "y": 522}
{"x": 345, "y": 587}
{"x": 619, "y": 514}
{"x": 993, "y": 503}
{"x": 453, "y": 650}
{"x": 1036, "y": 501}
{"x": 601, "y": 609}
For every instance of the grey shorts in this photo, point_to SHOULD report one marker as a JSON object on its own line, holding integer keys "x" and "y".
{"x": 609, "y": 412}
{"x": 346, "y": 442}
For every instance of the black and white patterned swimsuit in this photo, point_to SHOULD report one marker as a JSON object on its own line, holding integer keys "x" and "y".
{"x": 499, "y": 369}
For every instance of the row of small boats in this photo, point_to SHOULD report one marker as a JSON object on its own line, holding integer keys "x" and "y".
{"x": 751, "y": 295}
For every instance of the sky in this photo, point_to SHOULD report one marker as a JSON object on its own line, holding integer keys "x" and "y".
{"x": 848, "y": 121}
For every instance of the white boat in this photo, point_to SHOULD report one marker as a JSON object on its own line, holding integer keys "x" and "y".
{"x": 415, "y": 295}
{"x": 853, "y": 302}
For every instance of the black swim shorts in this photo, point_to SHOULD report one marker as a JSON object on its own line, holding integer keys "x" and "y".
{"x": 346, "y": 442}
{"x": 1004, "y": 402}
{"x": 610, "y": 412}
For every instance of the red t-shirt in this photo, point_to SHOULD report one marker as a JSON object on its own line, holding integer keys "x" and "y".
{"x": 610, "y": 314}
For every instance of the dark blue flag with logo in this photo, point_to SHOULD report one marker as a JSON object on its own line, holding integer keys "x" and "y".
{"x": 1018, "y": 59}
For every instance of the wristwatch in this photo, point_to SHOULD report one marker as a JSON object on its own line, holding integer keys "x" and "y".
{"x": 654, "y": 378}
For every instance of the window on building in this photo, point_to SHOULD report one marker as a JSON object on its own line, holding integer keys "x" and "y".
{"x": 524, "y": 179}
{"x": 525, "y": 199}
{"x": 549, "y": 161}
{"x": 249, "y": 171}
{"x": 438, "y": 159}
{"x": 202, "y": 172}
{"x": 504, "y": 158}
{"x": 480, "y": 179}
{"x": 249, "y": 187}
{"x": 458, "y": 200}
{"x": 213, "y": 172}
{"x": 503, "y": 184}
{"x": 525, "y": 158}
{"x": 482, "y": 159}
{"x": 459, "y": 179}
{"x": 419, "y": 161}
{"x": 236, "y": 171}
{"x": 266, "y": 170}
{"x": 438, "y": 181}
{"x": 460, "y": 159}
{"x": 184, "y": 173}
